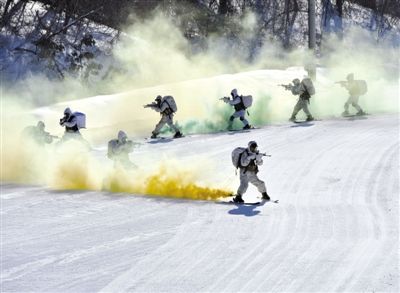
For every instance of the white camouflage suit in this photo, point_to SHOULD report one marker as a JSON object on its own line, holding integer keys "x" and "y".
{"x": 240, "y": 112}
{"x": 167, "y": 117}
{"x": 250, "y": 161}
{"x": 302, "y": 104}
{"x": 353, "y": 96}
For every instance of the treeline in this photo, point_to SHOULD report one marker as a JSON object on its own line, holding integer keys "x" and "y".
{"x": 66, "y": 32}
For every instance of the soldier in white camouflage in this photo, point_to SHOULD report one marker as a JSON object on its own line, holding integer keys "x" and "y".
{"x": 162, "y": 106}
{"x": 240, "y": 109}
{"x": 301, "y": 89}
{"x": 249, "y": 160}
{"x": 352, "y": 87}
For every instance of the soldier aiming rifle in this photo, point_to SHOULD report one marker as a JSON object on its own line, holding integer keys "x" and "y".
{"x": 287, "y": 87}
{"x": 166, "y": 106}
{"x": 355, "y": 88}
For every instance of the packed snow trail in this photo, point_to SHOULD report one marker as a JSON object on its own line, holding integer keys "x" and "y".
{"x": 335, "y": 227}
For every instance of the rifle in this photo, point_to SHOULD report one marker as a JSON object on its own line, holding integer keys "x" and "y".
{"x": 286, "y": 86}
{"x": 341, "y": 82}
{"x": 225, "y": 99}
{"x": 152, "y": 105}
{"x": 265, "y": 155}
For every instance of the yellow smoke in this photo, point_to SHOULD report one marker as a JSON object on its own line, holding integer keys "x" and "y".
{"x": 166, "y": 181}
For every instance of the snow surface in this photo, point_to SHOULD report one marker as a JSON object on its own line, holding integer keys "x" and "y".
{"x": 335, "y": 228}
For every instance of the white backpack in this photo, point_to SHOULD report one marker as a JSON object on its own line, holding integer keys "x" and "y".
{"x": 80, "y": 119}
{"x": 171, "y": 103}
{"x": 237, "y": 155}
{"x": 247, "y": 101}
{"x": 361, "y": 86}
{"x": 309, "y": 86}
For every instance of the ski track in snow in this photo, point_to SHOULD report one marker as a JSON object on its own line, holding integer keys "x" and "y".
{"x": 335, "y": 227}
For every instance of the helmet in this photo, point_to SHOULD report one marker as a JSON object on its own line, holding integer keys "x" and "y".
{"x": 40, "y": 125}
{"x": 350, "y": 76}
{"x": 122, "y": 136}
{"x": 67, "y": 111}
{"x": 234, "y": 92}
{"x": 296, "y": 81}
{"x": 252, "y": 145}
{"x": 158, "y": 98}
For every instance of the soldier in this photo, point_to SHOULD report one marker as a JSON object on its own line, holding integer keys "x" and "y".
{"x": 248, "y": 161}
{"x": 73, "y": 122}
{"x": 119, "y": 149}
{"x": 38, "y": 134}
{"x": 167, "y": 107}
{"x": 304, "y": 89}
{"x": 356, "y": 88}
{"x": 240, "y": 103}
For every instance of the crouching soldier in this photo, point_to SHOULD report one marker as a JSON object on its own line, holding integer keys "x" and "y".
{"x": 119, "y": 149}
{"x": 247, "y": 160}
{"x": 305, "y": 89}
{"x": 240, "y": 103}
{"x": 38, "y": 135}
{"x": 72, "y": 121}
{"x": 167, "y": 107}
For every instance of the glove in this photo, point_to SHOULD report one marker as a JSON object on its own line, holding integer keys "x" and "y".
{"x": 252, "y": 156}
{"x": 259, "y": 157}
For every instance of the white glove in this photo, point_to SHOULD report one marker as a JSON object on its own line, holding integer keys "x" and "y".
{"x": 252, "y": 156}
{"x": 259, "y": 160}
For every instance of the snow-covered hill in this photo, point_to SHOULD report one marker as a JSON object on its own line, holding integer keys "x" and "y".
{"x": 335, "y": 228}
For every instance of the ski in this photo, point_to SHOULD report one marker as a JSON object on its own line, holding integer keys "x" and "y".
{"x": 305, "y": 121}
{"x": 262, "y": 202}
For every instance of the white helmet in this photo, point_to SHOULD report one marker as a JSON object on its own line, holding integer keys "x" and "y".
{"x": 40, "y": 125}
{"x": 122, "y": 136}
{"x": 296, "y": 81}
{"x": 252, "y": 145}
{"x": 350, "y": 76}
{"x": 67, "y": 111}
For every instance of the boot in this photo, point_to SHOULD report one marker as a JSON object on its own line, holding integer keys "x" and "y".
{"x": 293, "y": 118}
{"x": 238, "y": 199}
{"x": 178, "y": 134}
{"x": 310, "y": 118}
{"x": 153, "y": 135}
{"x": 360, "y": 113}
{"x": 345, "y": 113}
{"x": 248, "y": 126}
{"x": 265, "y": 196}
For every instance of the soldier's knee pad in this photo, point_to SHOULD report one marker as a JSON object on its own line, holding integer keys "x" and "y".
{"x": 231, "y": 118}
{"x": 241, "y": 118}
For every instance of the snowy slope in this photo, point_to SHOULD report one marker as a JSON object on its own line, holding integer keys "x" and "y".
{"x": 335, "y": 229}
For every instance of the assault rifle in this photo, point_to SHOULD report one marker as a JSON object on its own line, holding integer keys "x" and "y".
{"x": 224, "y": 99}
{"x": 154, "y": 104}
{"x": 341, "y": 82}
{"x": 264, "y": 155}
{"x": 52, "y": 136}
{"x": 287, "y": 86}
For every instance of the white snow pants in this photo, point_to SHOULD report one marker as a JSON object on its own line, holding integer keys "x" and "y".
{"x": 238, "y": 114}
{"x": 301, "y": 105}
{"x": 352, "y": 101}
{"x": 165, "y": 119}
{"x": 250, "y": 176}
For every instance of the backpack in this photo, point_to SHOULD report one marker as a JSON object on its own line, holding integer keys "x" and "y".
{"x": 111, "y": 148}
{"x": 80, "y": 119}
{"x": 171, "y": 103}
{"x": 308, "y": 85}
{"x": 247, "y": 101}
{"x": 361, "y": 87}
{"x": 236, "y": 156}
